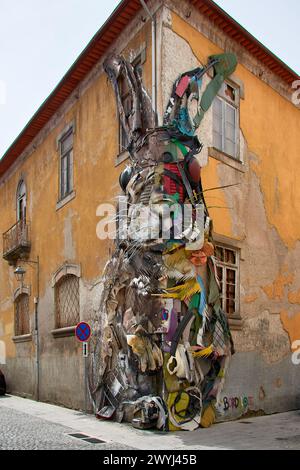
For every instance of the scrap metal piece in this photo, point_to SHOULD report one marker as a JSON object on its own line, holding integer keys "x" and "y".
{"x": 140, "y": 117}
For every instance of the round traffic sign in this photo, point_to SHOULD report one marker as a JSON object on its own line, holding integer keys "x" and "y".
{"x": 83, "y": 332}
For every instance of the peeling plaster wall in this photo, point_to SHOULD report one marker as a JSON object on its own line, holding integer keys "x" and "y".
{"x": 253, "y": 386}
{"x": 259, "y": 215}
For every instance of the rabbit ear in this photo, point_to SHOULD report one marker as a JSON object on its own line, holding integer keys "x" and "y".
{"x": 187, "y": 88}
{"x": 127, "y": 82}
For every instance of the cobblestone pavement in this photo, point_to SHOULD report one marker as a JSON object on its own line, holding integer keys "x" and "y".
{"x": 26, "y": 424}
{"x": 20, "y": 431}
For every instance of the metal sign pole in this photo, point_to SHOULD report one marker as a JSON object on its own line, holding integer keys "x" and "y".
{"x": 85, "y": 353}
{"x": 83, "y": 333}
{"x": 85, "y": 384}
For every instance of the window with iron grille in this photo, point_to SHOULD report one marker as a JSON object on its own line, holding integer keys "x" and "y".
{"x": 67, "y": 301}
{"x": 126, "y": 99}
{"x": 226, "y": 121}
{"x": 66, "y": 164}
{"x": 228, "y": 273}
{"x": 22, "y": 316}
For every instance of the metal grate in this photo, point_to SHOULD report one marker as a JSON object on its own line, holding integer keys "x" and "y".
{"x": 67, "y": 301}
{"x": 86, "y": 438}
{"x": 22, "y": 321}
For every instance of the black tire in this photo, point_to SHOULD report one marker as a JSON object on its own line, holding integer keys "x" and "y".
{"x": 2, "y": 384}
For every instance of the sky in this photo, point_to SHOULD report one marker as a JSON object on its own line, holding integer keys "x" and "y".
{"x": 39, "y": 41}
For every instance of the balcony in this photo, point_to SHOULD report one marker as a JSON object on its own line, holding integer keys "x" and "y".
{"x": 16, "y": 242}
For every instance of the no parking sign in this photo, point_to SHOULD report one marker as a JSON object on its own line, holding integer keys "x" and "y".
{"x": 83, "y": 333}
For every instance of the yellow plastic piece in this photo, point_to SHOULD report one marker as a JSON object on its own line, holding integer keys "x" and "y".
{"x": 208, "y": 417}
{"x": 205, "y": 352}
{"x": 180, "y": 408}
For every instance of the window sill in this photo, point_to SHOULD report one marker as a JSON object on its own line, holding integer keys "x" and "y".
{"x": 227, "y": 159}
{"x": 64, "y": 332}
{"x": 235, "y": 324}
{"x": 22, "y": 338}
{"x": 122, "y": 157}
{"x": 65, "y": 200}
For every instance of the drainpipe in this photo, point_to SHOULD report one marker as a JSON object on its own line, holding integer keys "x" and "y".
{"x": 154, "y": 75}
{"x": 37, "y": 338}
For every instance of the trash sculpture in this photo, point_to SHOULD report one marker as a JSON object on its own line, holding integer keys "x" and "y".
{"x": 163, "y": 343}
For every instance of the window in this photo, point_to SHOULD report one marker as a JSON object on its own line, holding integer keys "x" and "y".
{"x": 228, "y": 273}
{"x": 66, "y": 163}
{"x": 126, "y": 99}
{"x": 67, "y": 301}
{"x": 22, "y": 318}
{"x": 21, "y": 202}
{"x": 226, "y": 120}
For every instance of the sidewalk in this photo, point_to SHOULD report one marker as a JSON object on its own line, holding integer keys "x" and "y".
{"x": 281, "y": 431}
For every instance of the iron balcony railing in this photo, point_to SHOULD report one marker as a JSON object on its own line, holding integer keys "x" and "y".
{"x": 16, "y": 240}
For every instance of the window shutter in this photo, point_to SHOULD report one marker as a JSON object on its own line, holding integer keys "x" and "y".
{"x": 63, "y": 176}
{"x": 22, "y": 317}
{"x": 66, "y": 164}
{"x": 217, "y": 123}
{"x": 230, "y": 130}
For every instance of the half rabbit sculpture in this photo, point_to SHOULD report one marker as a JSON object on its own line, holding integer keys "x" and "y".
{"x": 163, "y": 343}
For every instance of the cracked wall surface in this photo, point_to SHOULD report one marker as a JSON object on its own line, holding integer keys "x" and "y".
{"x": 259, "y": 215}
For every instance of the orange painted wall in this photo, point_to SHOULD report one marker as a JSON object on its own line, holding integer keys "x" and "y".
{"x": 96, "y": 178}
{"x": 271, "y": 125}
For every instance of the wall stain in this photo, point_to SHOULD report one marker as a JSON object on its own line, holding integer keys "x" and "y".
{"x": 291, "y": 324}
{"x": 250, "y": 298}
{"x": 294, "y": 297}
{"x": 276, "y": 290}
